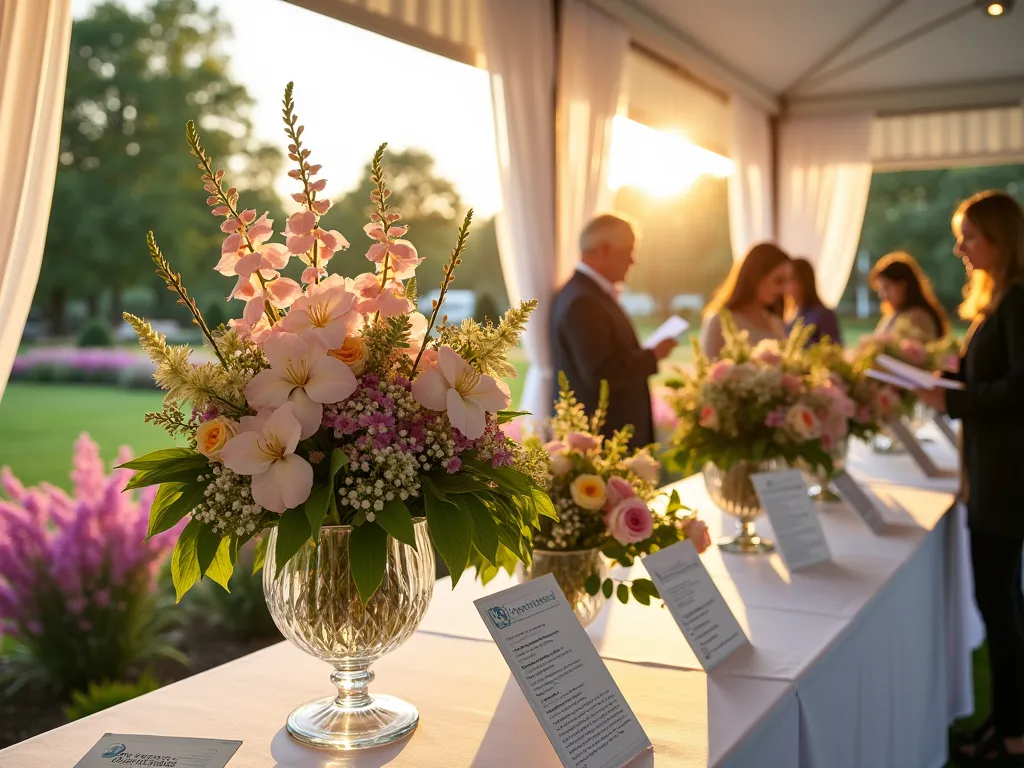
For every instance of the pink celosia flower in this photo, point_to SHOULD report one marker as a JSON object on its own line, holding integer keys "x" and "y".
{"x": 266, "y": 451}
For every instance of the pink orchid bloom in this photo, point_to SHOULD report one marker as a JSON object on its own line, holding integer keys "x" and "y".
{"x": 402, "y": 258}
{"x": 265, "y": 449}
{"x": 303, "y": 374}
{"x": 455, "y": 386}
{"x": 325, "y": 314}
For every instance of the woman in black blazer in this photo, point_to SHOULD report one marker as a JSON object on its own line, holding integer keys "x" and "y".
{"x": 990, "y": 239}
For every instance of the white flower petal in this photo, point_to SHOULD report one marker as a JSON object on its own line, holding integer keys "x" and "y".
{"x": 431, "y": 389}
{"x": 268, "y": 388}
{"x": 242, "y": 454}
{"x": 308, "y": 413}
{"x": 330, "y": 380}
{"x": 267, "y": 492}
{"x": 285, "y": 423}
{"x": 490, "y": 394}
{"x": 451, "y": 364}
{"x": 466, "y": 416}
{"x": 294, "y": 478}
{"x": 281, "y": 348}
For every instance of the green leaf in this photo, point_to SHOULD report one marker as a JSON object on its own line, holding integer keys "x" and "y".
{"x": 168, "y": 474}
{"x": 396, "y": 519}
{"x": 172, "y": 502}
{"x": 185, "y": 570}
{"x": 544, "y": 506}
{"x": 641, "y": 596}
{"x": 260, "y": 555}
{"x": 485, "y": 529}
{"x": 315, "y": 507}
{"x": 292, "y": 533}
{"x": 593, "y": 583}
{"x": 506, "y": 416}
{"x": 207, "y": 545}
{"x": 368, "y": 558}
{"x": 159, "y": 458}
{"x": 451, "y": 529}
{"x": 339, "y": 460}
{"x": 622, "y": 593}
{"x": 607, "y": 587}
{"x": 457, "y": 483}
{"x": 223, "y": 563}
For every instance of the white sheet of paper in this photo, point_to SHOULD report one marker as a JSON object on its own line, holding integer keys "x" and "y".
{"x": 922, "y": 379}
{"x": 158, "y": 751}
{"x": 670, "y": 329}
{"x": 851, "y": 492}
{"x": 567, "y": 684}
{"x": 797, "y": 528}
{"x": 891, "y": 378}
{"x": 703, "y": 616}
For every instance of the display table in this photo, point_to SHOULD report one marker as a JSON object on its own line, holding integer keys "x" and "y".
{"x": 472, "y": 713}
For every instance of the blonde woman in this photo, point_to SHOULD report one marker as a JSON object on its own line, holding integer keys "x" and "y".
{"x": 754, "y": 293}
{"x": 990, "y": 240}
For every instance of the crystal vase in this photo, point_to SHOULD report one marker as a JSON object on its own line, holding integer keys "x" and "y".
{"x": 314, "y": 603}
{"x": 571, "y": 570}
{"x": 732, "y": 491}
{"x": 819, "y": 482}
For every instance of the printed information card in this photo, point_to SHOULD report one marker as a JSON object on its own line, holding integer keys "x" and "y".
{"x": 861, "y": 503}
{"x": 905, "y": 435}
{"x": 158, "y": 752}
{"x": 797, "y": 528}
{"x": 706, "y": 621}
{"x": 581, "y": 709}
{"x": 945, "y": 425}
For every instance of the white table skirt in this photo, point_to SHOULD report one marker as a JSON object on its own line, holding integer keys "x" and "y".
{"x": 472, "y": 713}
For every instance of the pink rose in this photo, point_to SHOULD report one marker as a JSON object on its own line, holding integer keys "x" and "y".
{"x": 720, "y": 370}
{"x": 887, "y": 401}
{"x": 617, "y": 490}
{"x": 803, "y": 422}
{"x": 696, "y": 530}
{"x": 709, "y": 417}
{"x": 863, "y": 414}
{"x": 582, "y": 442}
{"x": 631, "y": 521}
{"x": 560, "y": 462}
{"x": 790, "y": 383}
{"x": 913, "y": 351}
{"x": 644, "y": 466}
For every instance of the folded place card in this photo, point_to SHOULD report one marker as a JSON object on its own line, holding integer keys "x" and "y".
{"x": 905, "y": 435}
{"x": 158, "y": 752}
{"x": 942, "y": 421}
{"x": 703, "y": 616}
{"x": 797, "y": 528}
{"x": 567, "y": 684}
{"x": 858, "y": 499}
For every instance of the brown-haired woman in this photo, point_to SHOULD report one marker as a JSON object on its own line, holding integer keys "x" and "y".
{"x": 754, "y": 293}
{"x": 907, "y": 297}
{"x": 808, "y": 308}
{"x": 990, "y": 239}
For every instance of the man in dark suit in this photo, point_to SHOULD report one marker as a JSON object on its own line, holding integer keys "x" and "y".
{"x": 592, "y": 338}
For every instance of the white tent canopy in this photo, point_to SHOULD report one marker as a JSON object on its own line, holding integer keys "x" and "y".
{"x": 806, "y": 96}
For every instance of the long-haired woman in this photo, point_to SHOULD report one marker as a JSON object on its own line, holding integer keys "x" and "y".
{"x": 754, "y": 294}
{"x": 907, "y": 297}
{"x": 805, "y": 305}
{"x": 990, "y": 240}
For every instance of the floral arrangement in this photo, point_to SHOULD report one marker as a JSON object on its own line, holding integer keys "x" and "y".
{"x": 755, "y": 404}
{"x": 77, "y": 591}
{"x": 333, "y": 402}
{"x": 906, "y": 343}
{"x": 602, "y": 492}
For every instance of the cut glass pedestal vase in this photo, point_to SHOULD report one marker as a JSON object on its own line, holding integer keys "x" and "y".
{"x": 732, "y": 491}
{"x": 315, "y": 604}
{"x": 819, "y": 482}
{"x": 571, "y": 570}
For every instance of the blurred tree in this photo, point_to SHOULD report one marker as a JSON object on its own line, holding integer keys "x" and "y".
{"x": 134, "y": 79}
{"x": 911, "y": 210}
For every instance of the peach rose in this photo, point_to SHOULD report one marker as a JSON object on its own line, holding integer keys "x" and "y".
{"x": 352, "y": 353}
{"x": 560, "y": 463}
{"x": 644, "y": 466}
{"x": 212, "y": 435}
{"x": 709, "y": 417}
{"x": 803, "y": 423}
{"x": 582, "y": 442}
{"x": 588, "y": 492}
{"x": 696, "y": 530}
{"x": 630, "y": 521}
{"x": 720, "y": 370}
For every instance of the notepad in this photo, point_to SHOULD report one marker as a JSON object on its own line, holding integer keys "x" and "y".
{"x": 670, "y": 329}
{"x": 916, "y": 378}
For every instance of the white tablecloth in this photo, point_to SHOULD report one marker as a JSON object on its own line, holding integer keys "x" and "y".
{"x": 472, "y": 713}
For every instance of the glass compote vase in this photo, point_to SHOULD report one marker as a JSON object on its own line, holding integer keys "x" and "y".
{"x": 732, "y": 491}
{"x": 314, "y": 603}
{"x": 819, "y": 482}
{"x": 571, "y": 570}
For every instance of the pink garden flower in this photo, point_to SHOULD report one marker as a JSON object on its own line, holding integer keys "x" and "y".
{"x": 696, "y": 530}
{"x": 720, "y": 370}
{"x": 302, "y": 233}
{"x": 325, "y": 313}
{"x": 557, "y": 451}
{"x": 617, "y": 490}
{"x": 457, "y": 388}
{"x": 582, "y": 442}
{"x": 709, "y": 417}
{"x": 630, "y": 521}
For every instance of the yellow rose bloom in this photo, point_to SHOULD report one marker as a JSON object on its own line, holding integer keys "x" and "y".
{"x": 352, "y": 353}
{"x": 588, "y": 492}
{"x": 212, "y": 435}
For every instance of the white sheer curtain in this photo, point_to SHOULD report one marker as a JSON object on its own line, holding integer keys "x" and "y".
{"x": 519, "y": 43}
{"x": 592, "y": 60}
{"x": 751, "y": 208}
{"x": 35, "y": 37}
{"x": 824, "y": 178}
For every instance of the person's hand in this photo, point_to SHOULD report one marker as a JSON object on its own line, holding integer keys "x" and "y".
{"x": 933, "y": 398}
{"x": 664, "y": 348}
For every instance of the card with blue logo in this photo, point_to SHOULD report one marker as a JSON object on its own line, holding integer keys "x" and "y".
{"x": 116, "y": 749}
{"x": 567, "y": 684}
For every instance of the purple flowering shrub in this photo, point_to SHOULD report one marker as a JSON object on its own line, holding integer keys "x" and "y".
{"x": 78, "y": 591}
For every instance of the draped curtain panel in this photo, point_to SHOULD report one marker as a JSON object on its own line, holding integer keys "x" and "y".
{"x": 751, "y": 210}
{"x": 35, "y": 39}
{"x": 591, "y": 66}
{"x": 824, "y": 178}
{"x": 519, "y": 42}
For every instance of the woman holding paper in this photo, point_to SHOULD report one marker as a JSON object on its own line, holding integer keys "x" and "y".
{"x": 990, "y": 240}
{"x": 754, "y": 294}
{"x": 908, "y": 301}
{"x": 805, "y": 306}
